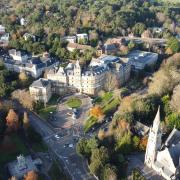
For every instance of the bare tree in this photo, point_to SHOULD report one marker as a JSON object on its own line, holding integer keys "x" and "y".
{"x": 175, "y": 100}
{"x": 111, "y": 81}
{"x": 24, "y": 98}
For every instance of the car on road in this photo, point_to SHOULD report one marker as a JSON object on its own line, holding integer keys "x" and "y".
{"x": 56, "y": 136}
{"x": 71, "y": 145}
{"x": 65, "y": 145}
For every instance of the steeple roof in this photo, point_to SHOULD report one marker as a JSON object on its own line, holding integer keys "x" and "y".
{"x": 156, "y": 123}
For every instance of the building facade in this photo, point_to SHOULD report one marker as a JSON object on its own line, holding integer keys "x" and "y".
{"x": 163, "y": 158}
{"x": 19, "y": 61}
{"x": 41, "y": 90}
{"x": 91, "y": 80}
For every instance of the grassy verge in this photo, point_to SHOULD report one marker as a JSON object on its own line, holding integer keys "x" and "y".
{"x": 39, "y": 147}
{"x": 111, "y": 106}
{"x": 56, "y": 173}
{"x": 74, "y": 102}
{"x": 45, "y": 112}
{"x": 89, "y": 123}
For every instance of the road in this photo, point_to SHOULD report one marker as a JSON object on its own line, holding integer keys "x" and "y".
{"x": 73, "y": 164}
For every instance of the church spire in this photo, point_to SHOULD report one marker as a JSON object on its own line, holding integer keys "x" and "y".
{"x": 156, "y": 122}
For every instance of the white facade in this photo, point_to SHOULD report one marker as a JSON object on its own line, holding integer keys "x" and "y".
{"x": 164, "y": 159}
{"x": 82, "y": 36}
{"x": 18, "y": 55}
{"x": 70, "y": 39}
{"x": 90, "y": 81}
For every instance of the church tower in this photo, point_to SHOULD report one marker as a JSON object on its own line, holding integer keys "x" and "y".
{"x": 154, "y": 141}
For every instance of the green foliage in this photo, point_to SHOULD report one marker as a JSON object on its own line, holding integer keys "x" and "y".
{"x": 109, "y": 172}
{"x": 136, "y": 142}
{"x": 139, "y": 28}
{"x": 173, "y": 120}
{"x": 136, "y": 175}
{"x": 124, "y": 144}
{"x": 33, "y": 136}
{"x": 90, "y": 122}
{"x": 173, "y": 44}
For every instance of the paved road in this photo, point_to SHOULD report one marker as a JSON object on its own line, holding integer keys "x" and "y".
{"x": 73, "y": 164}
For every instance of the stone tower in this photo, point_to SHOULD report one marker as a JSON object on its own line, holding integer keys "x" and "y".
{"x": 77, "y": 69}
{"x": 154, "y": 141}
{"x": 77, "y": 76}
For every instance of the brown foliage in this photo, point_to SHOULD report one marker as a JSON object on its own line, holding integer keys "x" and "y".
{"x": 24, "y": 98}
{"x": 25, "y": 120}
{"x": 143, "y": 143}
{"x": 101, "y": 134}
{"x": 31, "y": 175}
{"x": 12, "y": 120}
{"x": 175, "y": 100}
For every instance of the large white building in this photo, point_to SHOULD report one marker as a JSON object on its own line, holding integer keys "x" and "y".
{"x": 91, "y": 79}
{"x": 164, "y": 158}
{"x": 19, "y": 61}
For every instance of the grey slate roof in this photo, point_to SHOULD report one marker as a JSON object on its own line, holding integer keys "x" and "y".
{"x": 40, "y": 83}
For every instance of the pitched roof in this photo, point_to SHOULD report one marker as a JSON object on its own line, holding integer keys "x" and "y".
{"x": 78, "y": 46}
{"x": 41, "y": 83}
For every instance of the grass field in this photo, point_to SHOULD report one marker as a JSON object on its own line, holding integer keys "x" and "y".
{"x": 74, "y": 102}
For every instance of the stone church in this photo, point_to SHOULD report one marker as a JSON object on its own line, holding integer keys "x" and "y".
{"x": 164, "y": 158}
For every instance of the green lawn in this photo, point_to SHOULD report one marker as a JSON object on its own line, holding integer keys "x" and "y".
{"x": 11, "y": 154}
{"x": 45, "y": 112}
{"x": 74, "y": 102}
{"x": 90, "y": 123}
{"x": 56, "y": 173}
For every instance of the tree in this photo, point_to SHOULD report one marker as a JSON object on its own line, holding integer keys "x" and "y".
{"x": 167, "y": 77}
{"x": 110, "y": 172}
{"x": 139, "y": 28}
{"x": 96, "y": 111}
{"x": 25, "y": 120}
{"x": 23, "y": 77}
{"x": 131, "y": 45}
{"x": 101, "y": 134}
{"x": 33, "y": 135}
{"x": 143, "y": 143}
{"x": 175, "y": 100}
{"x": 31, "y": 175}
{"x": 173, "y": 44}
{"x": 111, "y": 81}
{"x": 81, "y": 148}
{"x": 95, "y": 167}
{"x": 173, "y": 120}
{"x": 136, "y": 142}
{"x": 24, "y": 98}
{"x": 12, "y": 120}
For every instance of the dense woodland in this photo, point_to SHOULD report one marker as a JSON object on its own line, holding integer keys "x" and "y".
{"x": 49, "y": 20}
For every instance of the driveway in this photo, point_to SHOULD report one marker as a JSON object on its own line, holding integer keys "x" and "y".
{"x": 63, "y": 116}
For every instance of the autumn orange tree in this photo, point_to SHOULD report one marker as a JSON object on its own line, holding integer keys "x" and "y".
{"x": 31, "y": 175}
{"x": 12, "y": 120}
{"x": 96, "y": 111}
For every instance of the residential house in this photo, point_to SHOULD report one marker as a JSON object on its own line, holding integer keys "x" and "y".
{"x": 21, "y": 56}
{"x": 82, "y": 38}
{"x": 73, "y": 46}
{"x": 70, "y": 39}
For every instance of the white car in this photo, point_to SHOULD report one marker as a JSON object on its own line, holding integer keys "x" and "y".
{"x": 70, "y": 145}
{"x": 56, "y": 136}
